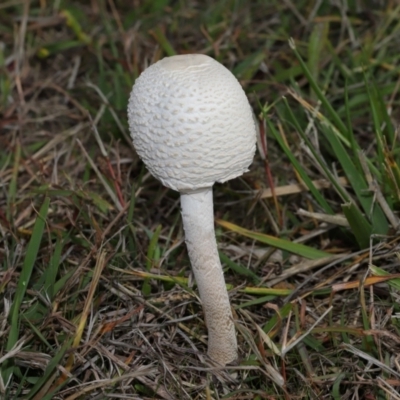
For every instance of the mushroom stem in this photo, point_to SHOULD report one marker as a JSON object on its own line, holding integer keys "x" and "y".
{"x": 198, "y": 222}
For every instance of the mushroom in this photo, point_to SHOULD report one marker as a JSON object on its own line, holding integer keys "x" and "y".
{"x": 192, "y": 125}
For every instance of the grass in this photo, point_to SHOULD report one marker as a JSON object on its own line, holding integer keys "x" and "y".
{"x": 97, "y": 297}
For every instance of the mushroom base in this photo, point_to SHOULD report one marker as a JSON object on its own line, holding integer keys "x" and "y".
{"x": 198, "y": 222}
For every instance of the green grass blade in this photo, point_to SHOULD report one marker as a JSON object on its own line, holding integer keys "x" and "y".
{"x": 12, "y": 189}
{"x": 52, "y": 269}
{"x": 130, "y": 231}
{"x": 353, "y": 144}
{"x": 382, "y": 122}
{"x": 151, "y": 258}
{"x": 23, "y": 282}
{"x": 304, "y": 176}
{"x": 255, "y": 302}
{"x": 295, "y": 248}
{"x": 37, "y": 332}
{"x": 239, "y": 269}
{"x": 325, "y": 102}
{"x": 342, "y": 193}
{"x": 336, "y": 392}
{"x": 50, "y": 369}
{"x": 376, "y": 117}
{"x": 394, "y": 283}
{"x": 58, "y": 47}
{"x": 62, "y": 281}
{"x": 248, "y": 67}
{"x": 72, "y": 22}
{"x": 360, "y": 227}
{"x": 277, "y": 318}
{"x": 163, "y": 41}
{"x": 359, "y": 185}
{"x": 316, "y": 48}
{"x": 151, "y": 251}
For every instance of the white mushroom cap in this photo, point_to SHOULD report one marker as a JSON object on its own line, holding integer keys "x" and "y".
{"x": 191, "y": 122}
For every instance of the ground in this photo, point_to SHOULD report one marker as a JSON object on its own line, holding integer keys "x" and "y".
{"x": 97, "y": 295}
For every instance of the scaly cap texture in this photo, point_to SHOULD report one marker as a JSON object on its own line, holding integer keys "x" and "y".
{"x": 191, "y": 122}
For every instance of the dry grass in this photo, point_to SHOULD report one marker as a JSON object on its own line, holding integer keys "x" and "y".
{"x": 98, "y": 300}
